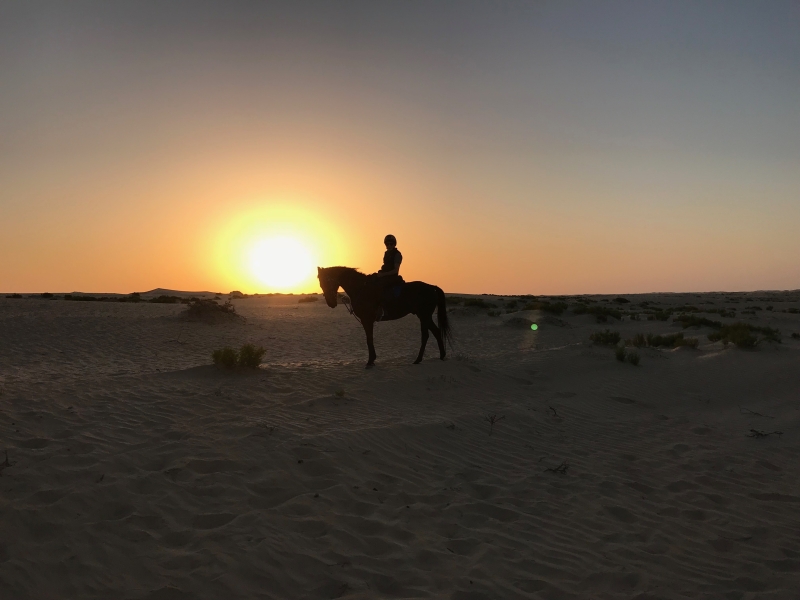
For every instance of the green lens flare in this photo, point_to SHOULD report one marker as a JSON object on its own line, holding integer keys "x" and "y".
{"x": 534, "y": 326}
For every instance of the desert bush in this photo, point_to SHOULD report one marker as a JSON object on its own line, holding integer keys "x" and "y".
{"x": 165, "y": 300}
{"x": 14, "y": 296}
{"x": 796, "y": 336}
{"x": 639, "y": 340}
{"x": 601, "y": 313}
{"x": 770, "y": 334}
{"x": 250, "y": 356}
{"x": 555, "y": 308}
{"x": 793, "y": 311}
{"x": 633, "y": 358}
{"x": 621, "y": 300}
{"x": 722, "y": 312}
{"x": 619, "y": 353}
{"x": 659, "y": 315}
{"x": 738, "y": 334}
{"x": 225, "y": 357}
{"x": 693, "y": 321}
{"x": 202, "y": 308}
{"x": 673, "y": 340}
{"x": 478, "y": 303}
{"x": 605, "y": 338}
{"x": 47, "y": 295}
{"x": 685, "y": 308}
{"x": 494, "y": 313}
{"x": 305, "y": 299}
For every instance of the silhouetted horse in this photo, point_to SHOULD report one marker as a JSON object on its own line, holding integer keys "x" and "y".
{"x": 415, "y": 297}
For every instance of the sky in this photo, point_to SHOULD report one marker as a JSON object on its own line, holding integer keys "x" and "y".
{"x": 511, "y": 147}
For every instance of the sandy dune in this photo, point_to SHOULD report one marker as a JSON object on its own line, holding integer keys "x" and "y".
{"x": 138, "y": 470}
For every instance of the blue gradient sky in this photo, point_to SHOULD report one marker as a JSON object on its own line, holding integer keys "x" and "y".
{"x": 553, "y": 147}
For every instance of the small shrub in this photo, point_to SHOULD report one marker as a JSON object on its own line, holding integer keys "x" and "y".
{"x": 225, "y": 357}
{"x": 14, "y": 296}
{"x": 770, "y": 334}
{"x": 633, "y": 358}
{"x": 600, "y": 312}
{"x": 796, "y": 336}
{"x": 693, "y": 321}
{"x": 638, "y": 340}
{"x": 688, "y": 343}
{"x": 605, "y": 338}
{"x": 667, "y": 341}
{"x": 738, "y": 333}
{"x": 686, "y": 308}
{"x": 659, "y": 315}
{"x": 47, "y": 295}
{"x": 339, "y": 393}
{"x": 306, "y": 299}
{"x": 202, "y": 308}
{"x": 555, "y": 308}
{"x": 478, "y": 303}
{"x": 494, "y": 313}
{"x": 165, "y": 300}
{"x": 621, "y": 300}
{"x": 793, "y": 311}
{"x": 250, "y": 356}
{"x": 619, "y": 352}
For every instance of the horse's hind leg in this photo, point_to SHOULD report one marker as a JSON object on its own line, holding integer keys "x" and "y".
{"x": 370, "y": 345}
{"x": 438, "y": 335}
{"x": 424, "y": 324}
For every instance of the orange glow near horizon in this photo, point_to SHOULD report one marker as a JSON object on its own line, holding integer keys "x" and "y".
{"x": 274, "y": 248}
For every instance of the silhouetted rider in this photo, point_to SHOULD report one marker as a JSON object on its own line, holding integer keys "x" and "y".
{"x": 389, "y": 274}
{"x": 391, "y": 261}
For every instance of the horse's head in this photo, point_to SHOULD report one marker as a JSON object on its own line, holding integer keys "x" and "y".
{"x": 330, "y": 288}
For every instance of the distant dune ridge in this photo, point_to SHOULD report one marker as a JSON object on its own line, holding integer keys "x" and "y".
{"x": 531, "y": 464}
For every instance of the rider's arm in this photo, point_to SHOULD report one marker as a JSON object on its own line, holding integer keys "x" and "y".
{"x": 397, "y": 260}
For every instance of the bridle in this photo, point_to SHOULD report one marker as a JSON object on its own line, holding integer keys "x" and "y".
{"x": 349, "y": 306}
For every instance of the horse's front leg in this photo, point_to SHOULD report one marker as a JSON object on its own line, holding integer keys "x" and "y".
{"x": 368, "y": 330}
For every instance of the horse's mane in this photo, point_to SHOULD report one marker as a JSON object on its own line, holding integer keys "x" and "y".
{"x": 342, "y": 270}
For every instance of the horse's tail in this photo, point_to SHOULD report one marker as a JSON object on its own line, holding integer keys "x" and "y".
{"x": 441, "y": 317}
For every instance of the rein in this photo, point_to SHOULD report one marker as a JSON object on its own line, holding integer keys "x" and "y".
{"x": 349, "y": 307}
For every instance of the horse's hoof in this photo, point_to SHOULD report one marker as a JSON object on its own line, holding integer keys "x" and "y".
{"x": 369, "y": 365}
{"x": 416, "y": 362}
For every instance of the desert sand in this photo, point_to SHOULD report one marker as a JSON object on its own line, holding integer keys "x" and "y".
{"x": 138, "y": 470}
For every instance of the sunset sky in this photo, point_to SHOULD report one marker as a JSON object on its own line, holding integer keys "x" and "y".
{"x": 512, "y": 147}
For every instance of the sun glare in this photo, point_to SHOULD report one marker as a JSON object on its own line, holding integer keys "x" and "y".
{"x": 281, "y": 262}
{"x": 273, "y": 247}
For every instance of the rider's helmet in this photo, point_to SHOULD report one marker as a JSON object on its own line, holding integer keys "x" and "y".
{"x": 390, "y": 239}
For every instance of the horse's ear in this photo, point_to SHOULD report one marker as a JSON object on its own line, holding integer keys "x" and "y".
{"x": 319, "y": 270}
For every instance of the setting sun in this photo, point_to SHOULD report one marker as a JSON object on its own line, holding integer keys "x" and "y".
{"x": 273, "y": 246}
{"x": 281, "y": 262}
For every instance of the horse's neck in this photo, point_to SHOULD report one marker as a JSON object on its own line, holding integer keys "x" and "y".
{"x": 350, "y": 281}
